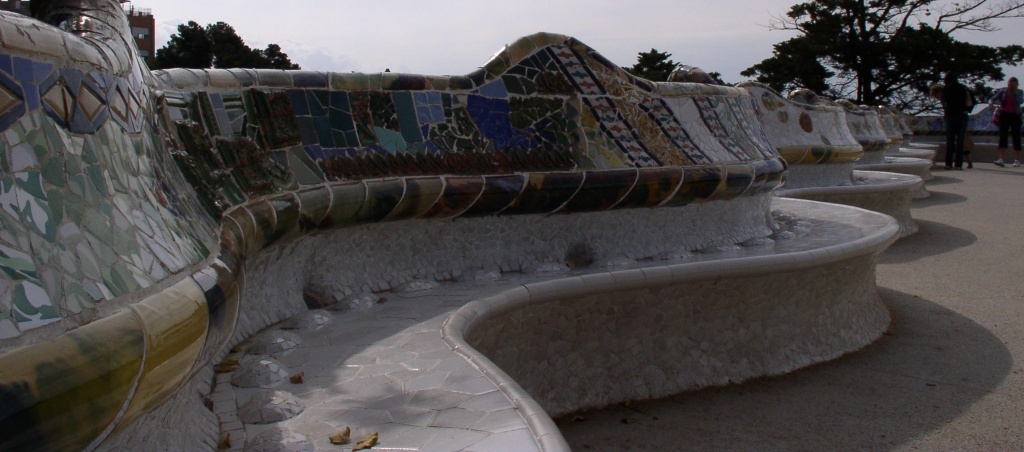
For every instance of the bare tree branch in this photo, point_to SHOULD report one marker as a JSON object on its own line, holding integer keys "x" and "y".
{"x": 976, "y": 15}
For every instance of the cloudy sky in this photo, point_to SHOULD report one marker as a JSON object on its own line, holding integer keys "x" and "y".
{"x": 444, "y": 37}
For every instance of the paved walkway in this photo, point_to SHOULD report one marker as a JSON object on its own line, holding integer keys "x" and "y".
{"x": 947, "y": 376}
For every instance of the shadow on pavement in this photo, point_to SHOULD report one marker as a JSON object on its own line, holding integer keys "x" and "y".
{"x": 932, "y": 238}
{"x": 942, "y": 177}
{"x": 931, "y": 366}
{"x": 939, "y": 198}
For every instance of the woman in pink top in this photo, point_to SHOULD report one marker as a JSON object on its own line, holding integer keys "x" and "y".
{"x": 1008, "y": 102}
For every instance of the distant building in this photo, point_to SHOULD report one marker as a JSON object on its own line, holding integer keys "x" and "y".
{"x": 17, "y": 6}
{"x": 144, "y": 30}
{"x": 141, "y": 20}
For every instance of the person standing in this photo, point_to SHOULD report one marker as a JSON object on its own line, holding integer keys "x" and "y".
{"x": 1008, "y": 108}
{"x": 956, "y": 104}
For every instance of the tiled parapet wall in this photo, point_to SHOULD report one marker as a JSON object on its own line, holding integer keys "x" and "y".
{"x": 116, "y": 286}
{"x": 867, "y": 128}
{"x": 546, "y": 103}
{"x": 903, "y": 122}
{"x": 891, "y": 125}
{"x": 94, "y": 211}
{"x": 812, "y": 136}
{"x": 978, "y": 123}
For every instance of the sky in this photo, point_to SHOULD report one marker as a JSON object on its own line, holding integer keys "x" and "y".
{"x": 454, "y": 37}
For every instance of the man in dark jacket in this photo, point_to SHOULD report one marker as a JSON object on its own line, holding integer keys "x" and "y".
{"x": 957, "y": 104}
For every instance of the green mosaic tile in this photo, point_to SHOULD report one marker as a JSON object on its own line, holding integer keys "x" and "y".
{"x": 53, "y": 170}
{"x": 390, "y": 140}
{"x": 32, "y": 306}
{"x": 40, "y": 144}
{"x": 23, "y": 157}
{"x": 32, "y": 183}
{"x": 306, "y": 171}
{"x": 98, "y": 177}
{"x": 103, "y": 252}
{"x": 5, "y": 166}
{"x": 17, "y": 265}
{"x": 36, "y": 214}
{"x": 93, "y": 291}
{"x": 119, "y": 279}
{"x": 55, "y": 201}
{"x": 88, "y": 154}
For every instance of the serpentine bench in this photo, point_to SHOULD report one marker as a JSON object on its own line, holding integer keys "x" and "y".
{"x": 486, "y": 241}
{"x": 900, "y": 157}
{"x": 824, "y": 143}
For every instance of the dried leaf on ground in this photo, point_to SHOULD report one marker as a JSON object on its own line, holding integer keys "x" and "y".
{"x": 225, "y": 441}
{"x": 228, "y": 365}
{"x": 341, "y": 437}
{"x": 297, "y": 378}
{"x": 366, "y": 443}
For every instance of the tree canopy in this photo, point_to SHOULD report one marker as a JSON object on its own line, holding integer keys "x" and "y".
{"x": 657, "y": 66}
{"x": 216, "y": 45}
{"x": 654, "y": 65}
{"x": 886, "y": 51}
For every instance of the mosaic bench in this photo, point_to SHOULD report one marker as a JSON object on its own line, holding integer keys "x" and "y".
{"x": 825, "y": 143}
{"x": 157, "y": 224}
{"x": 900, "y": 157}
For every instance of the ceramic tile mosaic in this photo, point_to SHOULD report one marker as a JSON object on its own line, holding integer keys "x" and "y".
{"x": 805, "y": 128}
{"x": 866, "y": 126}
{"x": 137, "y": 207}
{"x": 559, "y": 107}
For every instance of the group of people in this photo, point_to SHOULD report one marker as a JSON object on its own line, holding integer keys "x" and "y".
{"x": 957, "y": 103}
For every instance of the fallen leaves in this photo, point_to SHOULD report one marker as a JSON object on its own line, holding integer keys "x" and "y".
{"x": 228, "y": 365}
{"x": 341, "y": 437}
{"x": 225, "y": 441}
{"x": 366, "y": 443}
{"x": 297, "y": 378}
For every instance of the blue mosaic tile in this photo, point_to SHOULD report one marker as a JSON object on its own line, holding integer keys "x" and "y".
{"x": 307, "y": 129}
{"x": 407, "y": 117}
{"x": 298, "y": 100}
{"x": 492, "y": 118}
{"x": 494, "y": 89}
{"x": 325, "y": 136}
{"x": 318, "y": 102}
{"x": 103, "y": 80}
{"x": 309, "y": 79}
{"x": 7, "y": 64}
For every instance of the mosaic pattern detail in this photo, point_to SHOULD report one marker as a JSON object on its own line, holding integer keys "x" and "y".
{"x": 804, "y": 128}
{"x": 866, "y": 127}
{"x": 91, "y": 210}
{"x": 546, "y": 103}
{"x": 115, "y": 180}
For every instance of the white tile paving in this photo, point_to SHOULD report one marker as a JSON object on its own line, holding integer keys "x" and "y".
{"x": 387, "y": 370}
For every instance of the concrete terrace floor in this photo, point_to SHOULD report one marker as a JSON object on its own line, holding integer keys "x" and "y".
{"x": 948, "y": 375}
